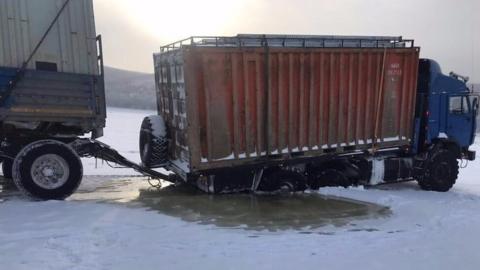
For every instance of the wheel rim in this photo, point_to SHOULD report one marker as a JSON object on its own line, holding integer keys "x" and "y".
{"x": 286, "y": 187}
{"x": 50, "y": 171}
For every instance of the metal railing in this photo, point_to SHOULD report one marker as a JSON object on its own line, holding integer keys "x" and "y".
{"x": 291, "y": 41}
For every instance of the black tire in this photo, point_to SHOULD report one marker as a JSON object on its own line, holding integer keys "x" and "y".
{"x": 282, "y": 180}
{"x": 440, "y": 172}
{"x": 153, "y": 143}
{"x": 7, "y": 165}
{"x": 38, "y": 166}
{"x": 328, "y": 175}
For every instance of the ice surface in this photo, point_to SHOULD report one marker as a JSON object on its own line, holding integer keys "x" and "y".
{"x": 427, "y": 230}
{"x": 122, "y": 133}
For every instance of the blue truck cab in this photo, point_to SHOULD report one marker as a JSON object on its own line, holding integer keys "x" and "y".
{"x": 446, "y": 111}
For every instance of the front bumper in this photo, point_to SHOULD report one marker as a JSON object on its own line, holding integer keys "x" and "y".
{"x": 469, "y": 155}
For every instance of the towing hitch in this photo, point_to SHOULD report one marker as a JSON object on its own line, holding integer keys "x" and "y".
{"x": 96, "y": 149}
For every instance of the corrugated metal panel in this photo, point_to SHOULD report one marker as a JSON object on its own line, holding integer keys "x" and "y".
{"x": 73, "y": 100}
{"x": 71, "y": 44}
{"x": 244, "y": 104}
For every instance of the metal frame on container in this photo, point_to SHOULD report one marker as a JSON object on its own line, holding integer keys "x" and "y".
{"x": 290, "y": 41}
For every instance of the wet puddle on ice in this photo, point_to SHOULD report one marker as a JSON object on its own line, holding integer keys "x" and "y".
{"x": 259, "y": 212}
{"x": 301, "y": 212}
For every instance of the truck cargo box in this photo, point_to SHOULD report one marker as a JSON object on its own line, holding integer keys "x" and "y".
{"x": 51, "y": 69}
{"x": 249, "y": 99}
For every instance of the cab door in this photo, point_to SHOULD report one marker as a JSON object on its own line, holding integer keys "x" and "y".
{"x": 474, "y": 102}
{"x": 461, "y": 119}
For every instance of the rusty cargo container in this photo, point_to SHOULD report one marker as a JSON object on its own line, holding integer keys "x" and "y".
{"x": 249, "y": 99}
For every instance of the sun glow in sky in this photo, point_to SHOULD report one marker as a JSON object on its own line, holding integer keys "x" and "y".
{"x": 172, "y": 20}
{"x": 447, "y": 31}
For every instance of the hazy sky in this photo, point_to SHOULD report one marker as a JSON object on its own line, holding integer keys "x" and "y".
{"x": 446, "y": 30}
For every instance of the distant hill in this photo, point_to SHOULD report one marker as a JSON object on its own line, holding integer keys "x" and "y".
{"x": 129, "y": 89}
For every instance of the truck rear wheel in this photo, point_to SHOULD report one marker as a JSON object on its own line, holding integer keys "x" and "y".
{"x": 440, "y": 172}
{"x": 329, "y": 177}
{"x": 47, "y": 170}
{"x": 153, "y": 142}
{"x": 331, "y": 174}
{"x": 277, "y": 179}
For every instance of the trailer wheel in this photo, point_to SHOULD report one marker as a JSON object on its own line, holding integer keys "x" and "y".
{"x": 153, "y": 142}
{"x": 440, "y": 172}
{"x": 47, "y": 170}
{"x": 277, "y": 179}
{"x": 7, "y": 165}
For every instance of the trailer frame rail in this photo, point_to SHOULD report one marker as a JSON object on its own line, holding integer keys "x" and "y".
{"x": 87, "y": 148}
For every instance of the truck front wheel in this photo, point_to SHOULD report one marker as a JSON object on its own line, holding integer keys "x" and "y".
{"x": 440, "y": 172}
{"x": 47, "y": 170}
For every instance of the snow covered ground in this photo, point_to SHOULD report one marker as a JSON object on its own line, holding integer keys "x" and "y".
{"x": 425, "y": 230}
{"x": 122, "y": 131}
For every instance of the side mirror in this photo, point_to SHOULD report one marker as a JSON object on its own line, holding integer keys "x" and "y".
{"x": 475, "y": 105}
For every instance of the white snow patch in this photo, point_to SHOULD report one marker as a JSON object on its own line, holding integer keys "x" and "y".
{"x": 378, "y": 171}
{"x": 391, "y": 139}
{"x": 181, "y": 164}
{"x": 443, "y": 135}
{"x": 158, "y": 126}
{"x": 229, "y": 157}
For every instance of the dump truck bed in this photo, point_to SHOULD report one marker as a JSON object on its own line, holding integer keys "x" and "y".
{"x": 239, "y": 102}
{"x": 75, "y": 103}
{"x": 51, "y": 75}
